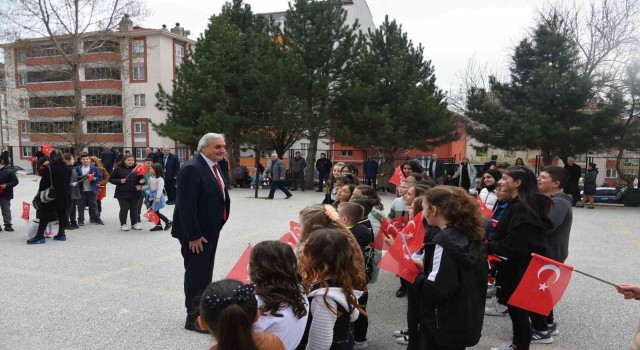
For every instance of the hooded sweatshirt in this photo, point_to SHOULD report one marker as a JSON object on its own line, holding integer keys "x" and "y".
{"x": 561, "y": 216}
{"x": 322, "y": 321}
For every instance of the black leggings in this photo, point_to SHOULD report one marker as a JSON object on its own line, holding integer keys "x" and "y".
{"x": 130, "y": 205}
{"x": 361, "y": 324}
{"x": 521, "y": 327}
{"x": 162, "y": 217}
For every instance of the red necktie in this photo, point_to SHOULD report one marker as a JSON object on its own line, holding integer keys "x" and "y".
{"x": 219, "y": 178}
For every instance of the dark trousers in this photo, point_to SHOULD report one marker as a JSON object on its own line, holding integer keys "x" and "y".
{"x": 170, "y": 187}
{"x": 361, "y": 324}
{"x": 63, "y": 222}
{"x": 371, "y": 181}
{"x": 140, "y": 202}
{"x": 322, "y": 178}
{"x": 298, "y": 180}
{"x": 521, "y": 327}
{"x": 131, "y": 206}
{"x": 541, "y": 322}
{"x": 414, "y": 303}
{"x": 198, "y": 271}
{"x": 278, "y": 185}
{"x": 5, "y": 205}
{"x": 88, "y": 199}
{"x": 72, "y": 210}
{"x": 162, "y": 217}
{"x": 433, "y": 346}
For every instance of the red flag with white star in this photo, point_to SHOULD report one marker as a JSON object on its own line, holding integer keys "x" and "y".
{"x": 151, "y": 216}
{"x": 414, "y": 233}
{"x": 486, "y": 212}
{"x": 542, "y": 285}
{"x": 398, "y": 260}
{"x": 289, "y": 238}
{"x": 141, "y": 169}
{"x": 46, "y": 149}
{"x": 396, "y": 177}
{"x": 240, "y": 271}
{"x": 26, "y": 207}
{"x": 294, "y": 227}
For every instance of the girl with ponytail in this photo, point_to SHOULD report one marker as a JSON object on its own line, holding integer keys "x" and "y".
{"x": 228, "y": 310}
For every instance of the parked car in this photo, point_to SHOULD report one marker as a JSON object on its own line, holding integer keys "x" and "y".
{"x": 609, "y": 195}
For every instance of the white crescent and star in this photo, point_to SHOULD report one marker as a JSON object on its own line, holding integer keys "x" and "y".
{"x": 550, "y": 267}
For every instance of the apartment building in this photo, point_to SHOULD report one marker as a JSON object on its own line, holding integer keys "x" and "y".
{"x": 119, "y": 76}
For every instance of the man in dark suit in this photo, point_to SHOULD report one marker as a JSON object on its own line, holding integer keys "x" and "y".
{"x": 171, "y": 166}
{"x": 202, "y": 208}
{"x": 436, "y": 169}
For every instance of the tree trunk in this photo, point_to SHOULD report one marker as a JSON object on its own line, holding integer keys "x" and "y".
{"x": 77, "y": 133}
{"x": 621, "y": 174}
{"x": 547, "y": 156}
{"x": 233, "y": 158}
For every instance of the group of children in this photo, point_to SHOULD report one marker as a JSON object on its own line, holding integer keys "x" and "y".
{"x": 86, "y": 185}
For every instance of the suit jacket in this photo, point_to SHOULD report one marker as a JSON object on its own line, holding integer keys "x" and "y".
{"x": 439, "y": 168}
{"x": 277, "y": 171}
{"x": 171, "y": 167}
{"x": 200, "y": 205}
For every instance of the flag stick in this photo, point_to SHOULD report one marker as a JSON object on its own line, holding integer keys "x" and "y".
{"x": 595, "y": 278}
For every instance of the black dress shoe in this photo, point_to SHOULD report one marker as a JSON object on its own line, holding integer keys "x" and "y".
{"x": 8, "y": 228}
{"x": 192, "y": 325}
{"x": 401, "y": 293}
{"x": 156, "y": 228}
{"x": 168, "y": 225}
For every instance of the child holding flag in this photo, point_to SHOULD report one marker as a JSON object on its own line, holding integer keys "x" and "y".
{"x": 155, "y": 198}
{"x": 520, "y": 232}
{"x": 128, "y": 185}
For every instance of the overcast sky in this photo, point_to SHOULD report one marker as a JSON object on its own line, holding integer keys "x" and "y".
{"x": 451, "y": 31}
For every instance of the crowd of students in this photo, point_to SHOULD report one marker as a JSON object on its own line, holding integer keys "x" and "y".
{"x": 80, "y": 183}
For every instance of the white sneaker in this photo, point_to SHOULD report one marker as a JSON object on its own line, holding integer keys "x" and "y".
{"x": 403, "y": 340}
{"x": 504, "y": 347}
{"x": 401, "y": 333}
{"x": 361, "y": 345}
{"x": 124, "y": 228}
{"x": 137, "y": 227}
{"x": 497, "y": 310}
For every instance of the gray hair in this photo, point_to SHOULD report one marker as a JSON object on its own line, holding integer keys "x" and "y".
{"x": 207, "y": 138}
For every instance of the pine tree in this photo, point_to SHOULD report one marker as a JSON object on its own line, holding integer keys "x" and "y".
{"x": 547, "y": 105}
{"x": 389, "y": 99}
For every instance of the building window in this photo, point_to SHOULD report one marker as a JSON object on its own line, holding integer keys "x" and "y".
{"x": 612, "y": 174}
{"x": 104, "y": 101}
{"x": 138, "y": 46}
{"x": 140, "y": 153}
{"x": 104, "y": 127}
{"x": 48, "y": 76}
{"x": 101, "y": 46}
{"x": 101, "y": 73}
{"x": 47, "y": 50}
{"x": 140, "y": 128}
{"x": 182, "y": 154}
{"x": 22, "y": 56}
{"x": 138, "y": 71}
{"x": 22, "y": 78}
{"x": 481, "y": 151}
{"x": 51, "y": 127}
{"x": 179, "y": 48}
{"x": 26, "y": 151}
{"x": 50, "y": 101}
{"x": 24, "y": 128}
{"x": 5, "y": 134}
{"x": 347, "y": 153}
{"x": 5, "y": 117}
{"x": 303, "y": 149}
{"x": 139, "y": 100}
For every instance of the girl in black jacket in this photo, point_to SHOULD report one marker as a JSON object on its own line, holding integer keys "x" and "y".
{"x": 453, "y": 279}
{"x": 521, "y": 231}
{"x": 128, "y": 185}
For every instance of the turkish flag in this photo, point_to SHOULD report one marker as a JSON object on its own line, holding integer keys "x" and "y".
{"x": 290, "y": 239}
{"x": 90, "y": 177}
{"x": 414, "y": 233}
{"x": 25, "y": 210}
{"x": 46, "y": 148}
{"x": 399, "y": 222}
{"x": 240, "y": 271}
{"x": 386, "y": 230}
{"x": 486, "y": 212}
{"x": 32, "y": 159}
{"x": 294, "y": 227}
{"x": 542, "y": 285}
{"x": 396, "y": 177}
{"x": 141, "y": 170}
{"x": 151, "y": 216}
{"x": 398, "y": 261}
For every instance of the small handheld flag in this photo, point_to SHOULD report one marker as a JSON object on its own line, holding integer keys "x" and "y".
{"x": 46, "y": 149}
{"x": 25, "y": 210}
{"x": 240, "y": 271}
{"x": 151, "y": 216}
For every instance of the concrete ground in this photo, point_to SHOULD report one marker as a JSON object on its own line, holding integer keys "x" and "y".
{"x": 108, "y": 289}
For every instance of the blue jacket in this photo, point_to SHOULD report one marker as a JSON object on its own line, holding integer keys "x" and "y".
{"x": 97, "y": 176}
{"x": 370, "y": 168}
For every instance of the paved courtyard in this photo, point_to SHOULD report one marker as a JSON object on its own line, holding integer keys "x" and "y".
{"x": 107, "y": 289}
